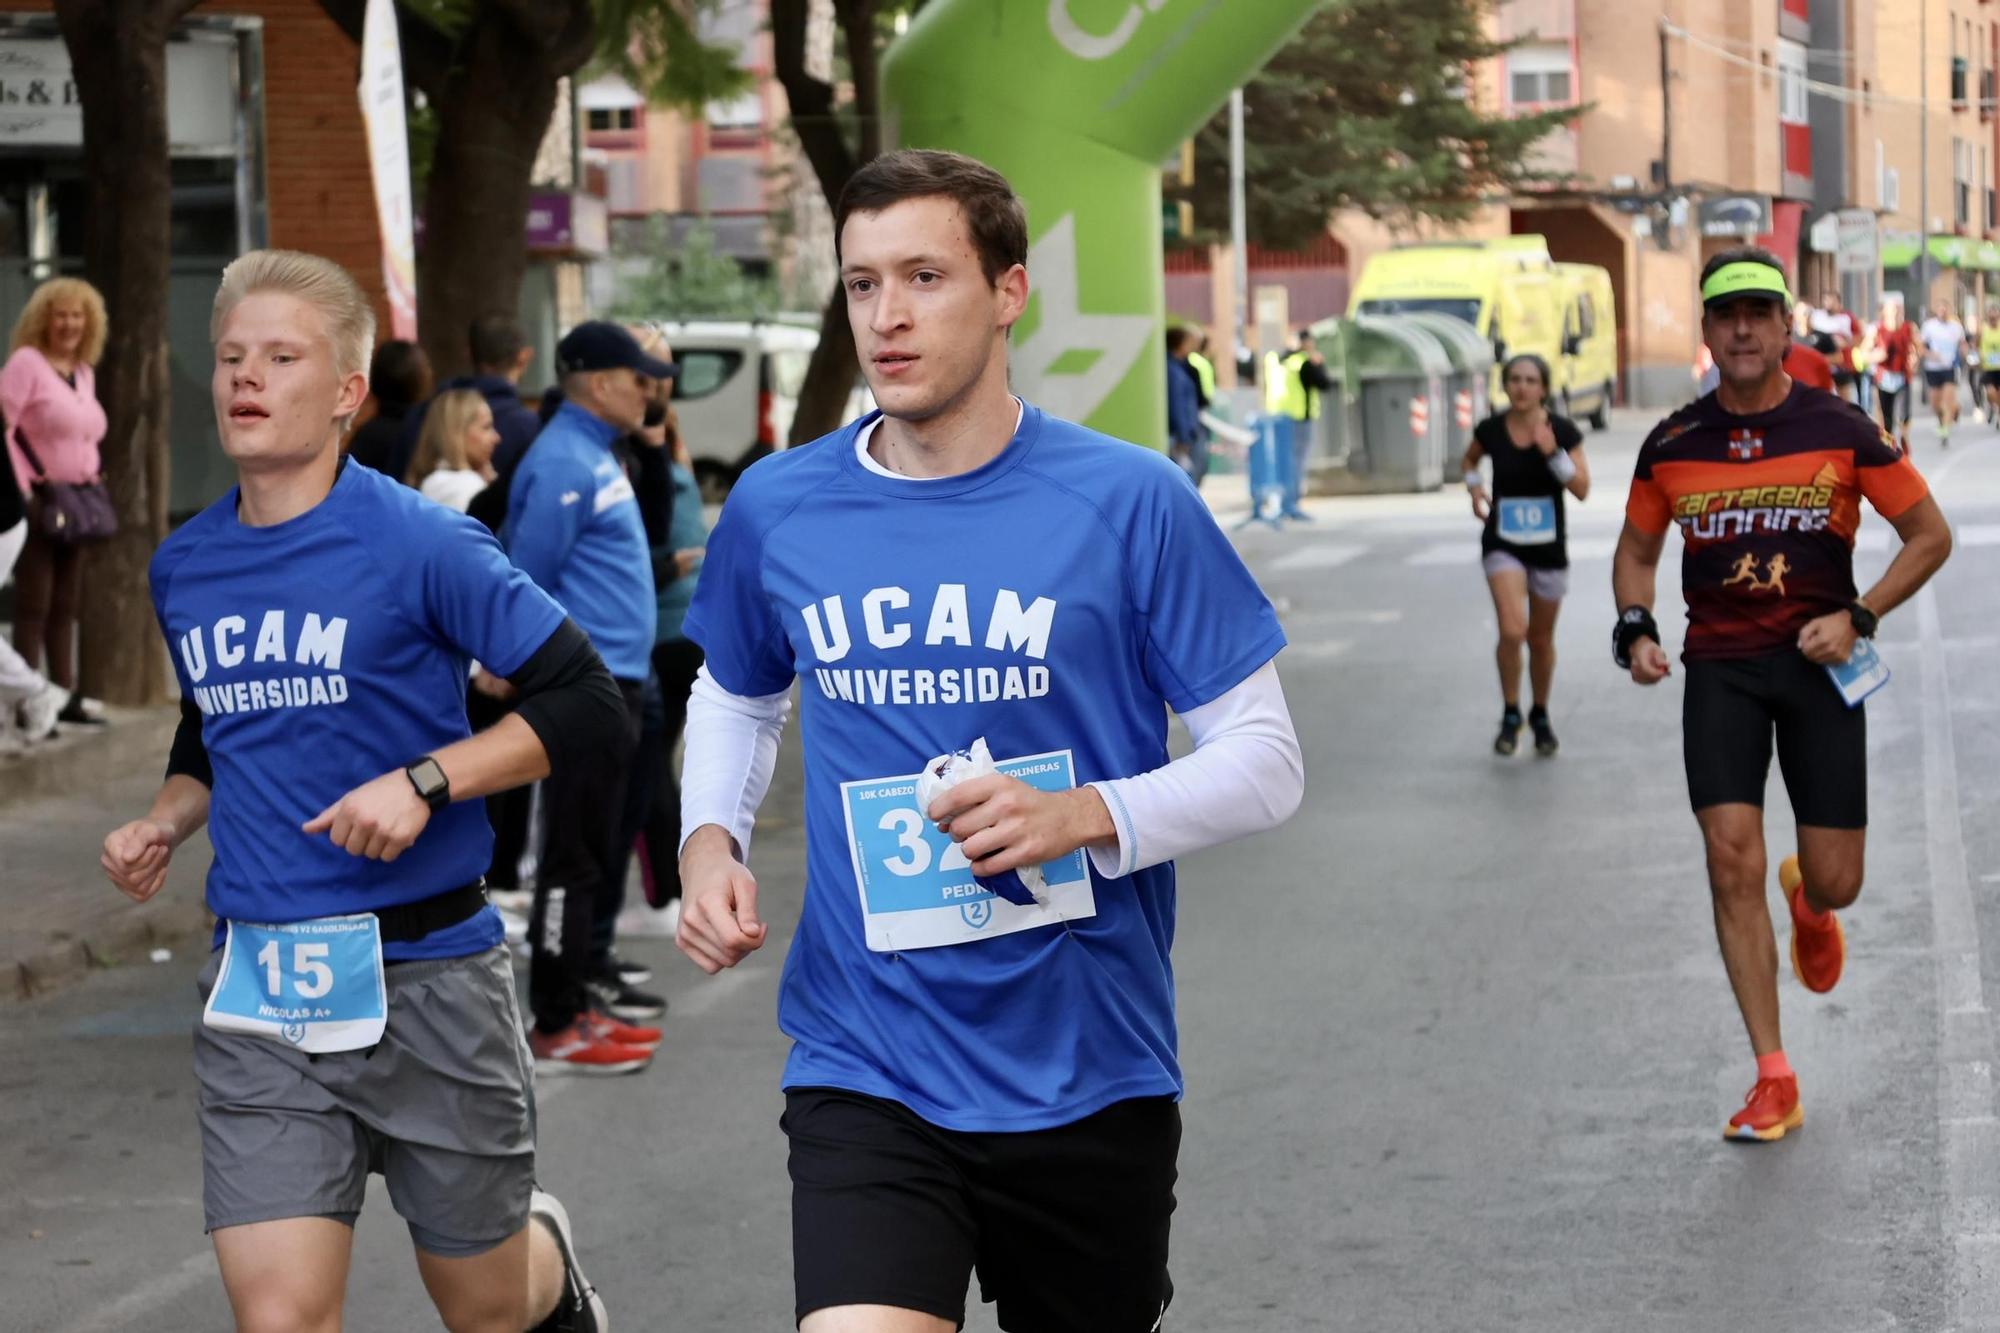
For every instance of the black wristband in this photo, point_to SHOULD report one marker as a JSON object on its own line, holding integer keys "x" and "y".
{"x": 1865, "y": 620}
{"x": 1634, "y": 623}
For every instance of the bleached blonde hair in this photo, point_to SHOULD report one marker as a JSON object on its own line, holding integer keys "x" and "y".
{"x": 331, "y": 289}
{"x": 32, "y": 328}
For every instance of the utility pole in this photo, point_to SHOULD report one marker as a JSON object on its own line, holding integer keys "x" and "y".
{"x": 1923, "y": 294}
{"x": 1666, "y": 114}
{"x": 1239, "y": 244}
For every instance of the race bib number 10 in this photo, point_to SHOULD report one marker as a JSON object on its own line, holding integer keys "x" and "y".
{"x": 917, "y": 889}
{"x": 316, "y": 985}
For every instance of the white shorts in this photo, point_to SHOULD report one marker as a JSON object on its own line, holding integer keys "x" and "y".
{"x": 1548, "y": 585}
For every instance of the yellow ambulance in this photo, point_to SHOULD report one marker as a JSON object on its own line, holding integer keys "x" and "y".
{"x": 1587, "y": 379}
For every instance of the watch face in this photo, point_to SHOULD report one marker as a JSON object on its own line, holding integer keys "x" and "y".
{"x": 429, "y": 776}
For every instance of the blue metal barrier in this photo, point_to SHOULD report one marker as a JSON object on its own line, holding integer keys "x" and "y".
{"x": 1268, "y": 466}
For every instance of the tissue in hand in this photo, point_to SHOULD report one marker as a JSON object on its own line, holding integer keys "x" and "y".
{"x": 1025, "y": 886}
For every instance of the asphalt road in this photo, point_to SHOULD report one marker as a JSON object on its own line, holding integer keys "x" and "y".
{"x": 1458, "y": 1042}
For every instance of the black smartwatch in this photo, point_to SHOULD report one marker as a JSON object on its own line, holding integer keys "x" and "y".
{"x": 427, "y": 776}
{"x": 1864, "y": 619}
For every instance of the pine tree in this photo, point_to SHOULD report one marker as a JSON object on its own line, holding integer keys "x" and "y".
{"x": 1367, "y": 108}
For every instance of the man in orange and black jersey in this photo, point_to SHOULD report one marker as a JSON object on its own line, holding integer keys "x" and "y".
{"x": 1765, "y": 479}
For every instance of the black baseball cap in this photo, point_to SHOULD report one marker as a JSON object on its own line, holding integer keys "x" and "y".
{"x": 598, "y": 344}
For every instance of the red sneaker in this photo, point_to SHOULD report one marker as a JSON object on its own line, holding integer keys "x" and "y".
{"x": 579, "y": 1049}
{"x": 1819, "y": 946}
{"x": 620, "y": 1033}
{"x": 1770, "y": 1111}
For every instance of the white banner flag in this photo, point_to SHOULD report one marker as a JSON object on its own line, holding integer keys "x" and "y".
{"x": 389, "y": 162}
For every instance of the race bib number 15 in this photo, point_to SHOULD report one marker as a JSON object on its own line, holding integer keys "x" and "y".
{"x": 917, "y": 889}
{"x": 316, "y": 985}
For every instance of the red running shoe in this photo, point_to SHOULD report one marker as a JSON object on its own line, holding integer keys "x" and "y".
{"x": 578, "y": 1049}
{"x": 1770, "y": 1112}
{"x": 1819, "y": 947}
{"x": 620, "y": 1033}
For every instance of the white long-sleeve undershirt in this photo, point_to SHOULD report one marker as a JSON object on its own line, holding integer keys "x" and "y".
{"x": 1245, "y": 774}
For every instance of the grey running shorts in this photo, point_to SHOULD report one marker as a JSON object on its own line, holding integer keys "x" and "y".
{"x": 443, "y": 1107}
{"x": 1548, "y": 585}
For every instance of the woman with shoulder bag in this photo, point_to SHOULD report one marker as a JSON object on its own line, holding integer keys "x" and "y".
{"x": 55, "y": 425}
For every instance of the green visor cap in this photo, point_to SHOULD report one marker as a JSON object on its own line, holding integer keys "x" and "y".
{"x": 1747, "y": 277}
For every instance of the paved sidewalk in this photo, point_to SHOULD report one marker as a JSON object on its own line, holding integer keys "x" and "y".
{"x": 58, "y": 914}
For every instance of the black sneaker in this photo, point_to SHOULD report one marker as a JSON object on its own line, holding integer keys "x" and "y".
{"x": 83, "y": 712}
{"x": 631, "y": 973}
{"x": 1546, "y": 743}
{"x": 1509, "y": 738}
{"x": 580, "y": 1310}
{"x": 615, "y": 996}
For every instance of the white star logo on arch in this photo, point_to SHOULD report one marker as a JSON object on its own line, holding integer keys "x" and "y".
{"x": 1064, "y": 329}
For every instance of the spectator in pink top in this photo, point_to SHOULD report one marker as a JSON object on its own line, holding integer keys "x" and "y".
{"x": 48, "y": 396}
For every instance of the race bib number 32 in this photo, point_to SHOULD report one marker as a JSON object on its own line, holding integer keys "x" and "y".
{"x": 316, "y": 985}
{"x": 918, "y": 890}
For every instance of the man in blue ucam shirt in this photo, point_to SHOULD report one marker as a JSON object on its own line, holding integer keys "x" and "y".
{"x": 573, "y": 526}
{"x": 360, "y": 1008}
{"x": 976, "y": 1082}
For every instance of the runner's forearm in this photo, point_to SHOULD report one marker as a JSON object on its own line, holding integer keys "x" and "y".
{"x": 1926, "y": 545}
{"x": 507, "y": 754}
{"x": 1634, "y": 572}
{"x": 181, "y": 807}
{"x": 732, "y": 750}
{"x": 1245, "y": 776}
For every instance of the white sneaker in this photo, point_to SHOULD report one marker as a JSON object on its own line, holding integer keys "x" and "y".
{"x": 39, "y": 711}
{"x": 518, "y": 901}
{"x": 579, "y": 1308}
{"x": 11, "y": 740}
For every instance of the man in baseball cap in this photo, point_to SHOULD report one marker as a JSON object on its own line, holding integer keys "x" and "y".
{"x": 598, "y": 345}
{"x": 574, "y": 527}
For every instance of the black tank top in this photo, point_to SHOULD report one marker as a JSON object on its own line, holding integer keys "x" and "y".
{"x": 1528, "y": 521}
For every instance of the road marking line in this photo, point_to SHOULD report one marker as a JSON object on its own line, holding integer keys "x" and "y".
{"x": 1316, "y": 557}
{"x": 1977, "y": 534}
{"x": 1967, "y": 1128}
{"x": 1323, "y": 650}
{"x": 140, "y": 1305}
{"x": 1446, "y": 553}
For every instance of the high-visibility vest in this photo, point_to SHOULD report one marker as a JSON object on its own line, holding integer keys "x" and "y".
{"x": 1274, "y": 384}
{"x": 1298, "y": 404}
{"x": 1204, "y": 371}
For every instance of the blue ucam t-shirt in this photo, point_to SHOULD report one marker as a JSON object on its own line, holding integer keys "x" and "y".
{"x": 326, "y": 651}
{"x": 1057, "y": 601}
{"x": 573, "y": 527}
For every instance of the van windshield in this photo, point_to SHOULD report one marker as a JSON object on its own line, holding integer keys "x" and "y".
{"x": 1463, "y": 308}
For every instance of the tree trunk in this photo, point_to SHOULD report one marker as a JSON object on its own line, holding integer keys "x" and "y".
{"x": 831, "y": 373}
{"x": 495, "y": 110}
{"x": 493, "y": 85}
{"x": 119, "y": 60}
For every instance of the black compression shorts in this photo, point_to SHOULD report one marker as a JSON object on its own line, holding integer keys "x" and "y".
{"x": 1066, "y": 1227}
{"x": 1732, "y": 710}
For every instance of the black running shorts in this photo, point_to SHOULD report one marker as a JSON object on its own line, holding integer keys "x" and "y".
{"x": 1732, "y": 709}
{"x": 1066, "y": 1227}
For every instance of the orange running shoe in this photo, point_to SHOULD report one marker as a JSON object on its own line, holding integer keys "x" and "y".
{"x": 1819, "y": 947}
{"x": 1770, "y": 1112}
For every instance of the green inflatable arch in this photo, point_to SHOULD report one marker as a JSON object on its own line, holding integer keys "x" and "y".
{"x": 1079, "y": 102}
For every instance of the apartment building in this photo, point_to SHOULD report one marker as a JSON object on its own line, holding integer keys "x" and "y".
{"x": 733, "y": 169}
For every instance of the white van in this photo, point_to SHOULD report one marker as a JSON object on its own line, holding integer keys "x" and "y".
{"x": 738, "y": 391}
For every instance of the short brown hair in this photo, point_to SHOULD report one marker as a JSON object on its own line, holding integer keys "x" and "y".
{"x": 993, "y": 212}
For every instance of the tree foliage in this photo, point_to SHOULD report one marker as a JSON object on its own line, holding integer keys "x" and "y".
{"x": 1367, "y": 108}
{"x": 691, "y": 280}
